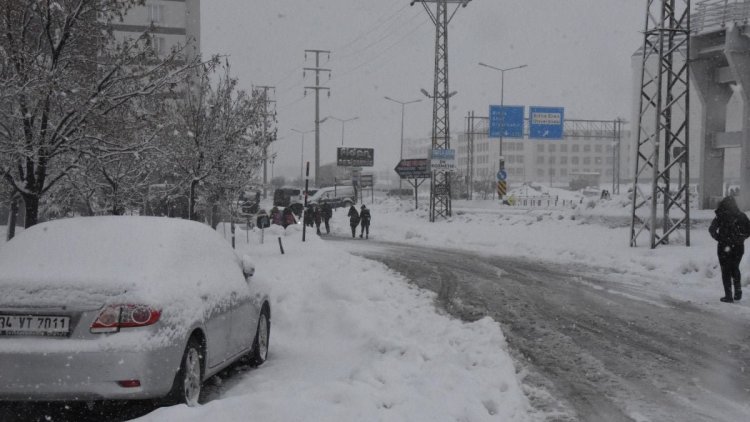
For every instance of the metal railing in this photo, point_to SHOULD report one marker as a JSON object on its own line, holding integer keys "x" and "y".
{"x": 714, "y": 15}
{"x": 541, "y": 201}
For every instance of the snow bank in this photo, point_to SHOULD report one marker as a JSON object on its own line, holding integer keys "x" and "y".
{"x": 351, "y": 340}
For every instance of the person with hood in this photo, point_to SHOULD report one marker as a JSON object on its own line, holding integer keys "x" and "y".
{"x": 364, "y": 216}
{"x": 327, "y": 214}
{"x": 287, "y": 217}
{"x": 730, "y": 228}
{"x": 353, "y": 219}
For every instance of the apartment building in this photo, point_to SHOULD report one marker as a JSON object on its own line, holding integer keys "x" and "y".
{"x": 175, "y": 23}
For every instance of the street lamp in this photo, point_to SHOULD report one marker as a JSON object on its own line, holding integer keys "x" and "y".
{"x": 401, "y": 155}
{"x": 502, "y": 83}
{"x": 302, "y": 153}
{"x": 343, "y": 122}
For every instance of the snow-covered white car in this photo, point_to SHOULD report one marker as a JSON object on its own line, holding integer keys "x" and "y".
{"x": 100, "y": 308}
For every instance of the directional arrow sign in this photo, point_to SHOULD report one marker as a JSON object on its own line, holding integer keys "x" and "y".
{"x": 414, "y": 169}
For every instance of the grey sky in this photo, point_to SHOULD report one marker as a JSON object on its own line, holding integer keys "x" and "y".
{"x": 577, "y": 51}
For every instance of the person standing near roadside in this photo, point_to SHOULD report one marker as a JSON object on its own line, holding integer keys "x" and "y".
{"x": 317, "y": 217}
{"x": 327, "y": 214}
{"x": 730, "y": 228}
{"x": 364, "y": 217}
{"x": 353, "y": 220}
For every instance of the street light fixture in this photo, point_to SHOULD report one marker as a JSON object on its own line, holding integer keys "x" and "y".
{"x": 502, "y": 83}
{"x": 401, "y": 154}
{"x": 343, "y": 122}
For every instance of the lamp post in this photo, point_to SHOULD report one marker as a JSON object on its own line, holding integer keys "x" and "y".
{"x": 502, "y": 83}
{"x": 343, "y": 123}
{"x": 302, "y": 153}
{"x": 401, "y": 154}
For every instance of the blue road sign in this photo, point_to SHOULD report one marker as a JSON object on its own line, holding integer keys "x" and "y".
{"x": 546, "y": 122}
{"x": 506, "y": 121}
{"x": 502, "y": 175}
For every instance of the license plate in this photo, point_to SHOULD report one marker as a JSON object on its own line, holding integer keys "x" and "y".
{"x": 34, "y": 325}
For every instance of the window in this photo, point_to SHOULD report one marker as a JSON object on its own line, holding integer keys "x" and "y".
{"x": 564, "y": 159}
{"x": 158, "y": 43}
{"x": 564, "y": 148}
{"x": 519, "y": 159}
{"x": 587, "y": 148}
{"x": 519, "y": 146}
{"x": 597, "y": 148}
{"x": 552, "y": 172}
{"x": 551, "y": 148}
{"x": 563, "y": 172}
{"x": 510, "y": 146}
{"x": 540, "y": 172}
{"x": 540, "y": 159}
{"x": 540, "y": 147}
{"x": 586, "y": 160}
{"x": 552, "y": 160}
{"x": 574, "y": 148}
{"x": 598, "y": 160}
{"x": 155, "y": 13}
{"x": 574, "y": 160}
{"x": 511, "y": 159}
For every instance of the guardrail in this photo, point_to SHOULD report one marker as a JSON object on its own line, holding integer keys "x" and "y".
{"x": 541, "y": 201}
{"x": 716, "y": 14}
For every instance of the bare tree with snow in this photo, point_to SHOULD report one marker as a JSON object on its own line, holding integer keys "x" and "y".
{"x": 61, "y": 75}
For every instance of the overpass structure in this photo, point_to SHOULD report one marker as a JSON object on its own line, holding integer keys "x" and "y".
{"x": 719, "y": 61}
{"x": 708, "y": 44}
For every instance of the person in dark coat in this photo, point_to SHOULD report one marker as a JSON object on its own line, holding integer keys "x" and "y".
{"x": 364, "y": 217}
{"x": 327, "y": 214}
{"x": 276, "y": 216}
{"x": 308, "y": 218}
{"x": 730, "y": 228}
{"x": 317, "y": 217}
{"x": 353, "y": 219}
{"x": 262, "y": 221}
{"x": 287, "y": 217}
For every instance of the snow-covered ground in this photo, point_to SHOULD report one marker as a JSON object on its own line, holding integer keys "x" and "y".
{"x": 352, "y": 340}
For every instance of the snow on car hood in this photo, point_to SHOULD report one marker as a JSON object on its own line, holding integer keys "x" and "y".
{"x": 182, "y": 267}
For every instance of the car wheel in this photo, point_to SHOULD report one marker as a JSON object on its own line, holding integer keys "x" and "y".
{"x": 189, "y": 379}
{"x": 262, "y": 335}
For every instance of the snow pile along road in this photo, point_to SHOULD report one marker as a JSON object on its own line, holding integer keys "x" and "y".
{"x": 351, "y": 340}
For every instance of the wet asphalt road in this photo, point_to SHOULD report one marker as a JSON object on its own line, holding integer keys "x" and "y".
{"x": 594, "y": 346}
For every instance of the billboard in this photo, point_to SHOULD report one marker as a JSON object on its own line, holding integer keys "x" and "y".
{"x": 506, "y": 121}
{"x": 546, "y": 122}
{"x": 355, "y": 157}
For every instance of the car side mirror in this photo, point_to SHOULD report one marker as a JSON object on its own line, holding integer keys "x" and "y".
{"x": 248, "y": 269}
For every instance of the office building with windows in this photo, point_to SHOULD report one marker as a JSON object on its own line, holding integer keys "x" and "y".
{"x": 175, "y": 23}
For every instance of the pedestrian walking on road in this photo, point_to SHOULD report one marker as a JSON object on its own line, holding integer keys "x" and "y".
{"x": 364, "y": 216}
{"x": 730, "y": 228}
{"x": 317, "y": 217}
{"x": 353, "y": 220}
{"x": 327, "y": 212}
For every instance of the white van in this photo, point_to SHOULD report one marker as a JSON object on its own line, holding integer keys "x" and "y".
{"x": 337, "y": 196}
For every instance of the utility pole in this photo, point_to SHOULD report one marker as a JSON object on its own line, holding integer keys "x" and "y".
{"x": 266, "y": 142}
{"x": 317, "y": 88}
{"x": 663, "y": 123}
{"x": 440, "y": 188}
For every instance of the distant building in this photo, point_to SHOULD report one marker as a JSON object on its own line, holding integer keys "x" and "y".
{"x": 175, "y": 22}
{"x": 587, "y": 147}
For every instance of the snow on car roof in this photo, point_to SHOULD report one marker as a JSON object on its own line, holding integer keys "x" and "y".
{"x": 152, "y": 260}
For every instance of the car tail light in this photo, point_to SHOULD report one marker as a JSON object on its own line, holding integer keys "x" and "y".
{"x": 129, "y": 383}
{"x": 114, "y": 317}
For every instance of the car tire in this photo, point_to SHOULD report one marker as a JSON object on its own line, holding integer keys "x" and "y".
{"x": 262, "y": 335}
{"x": 188, "y": 382}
